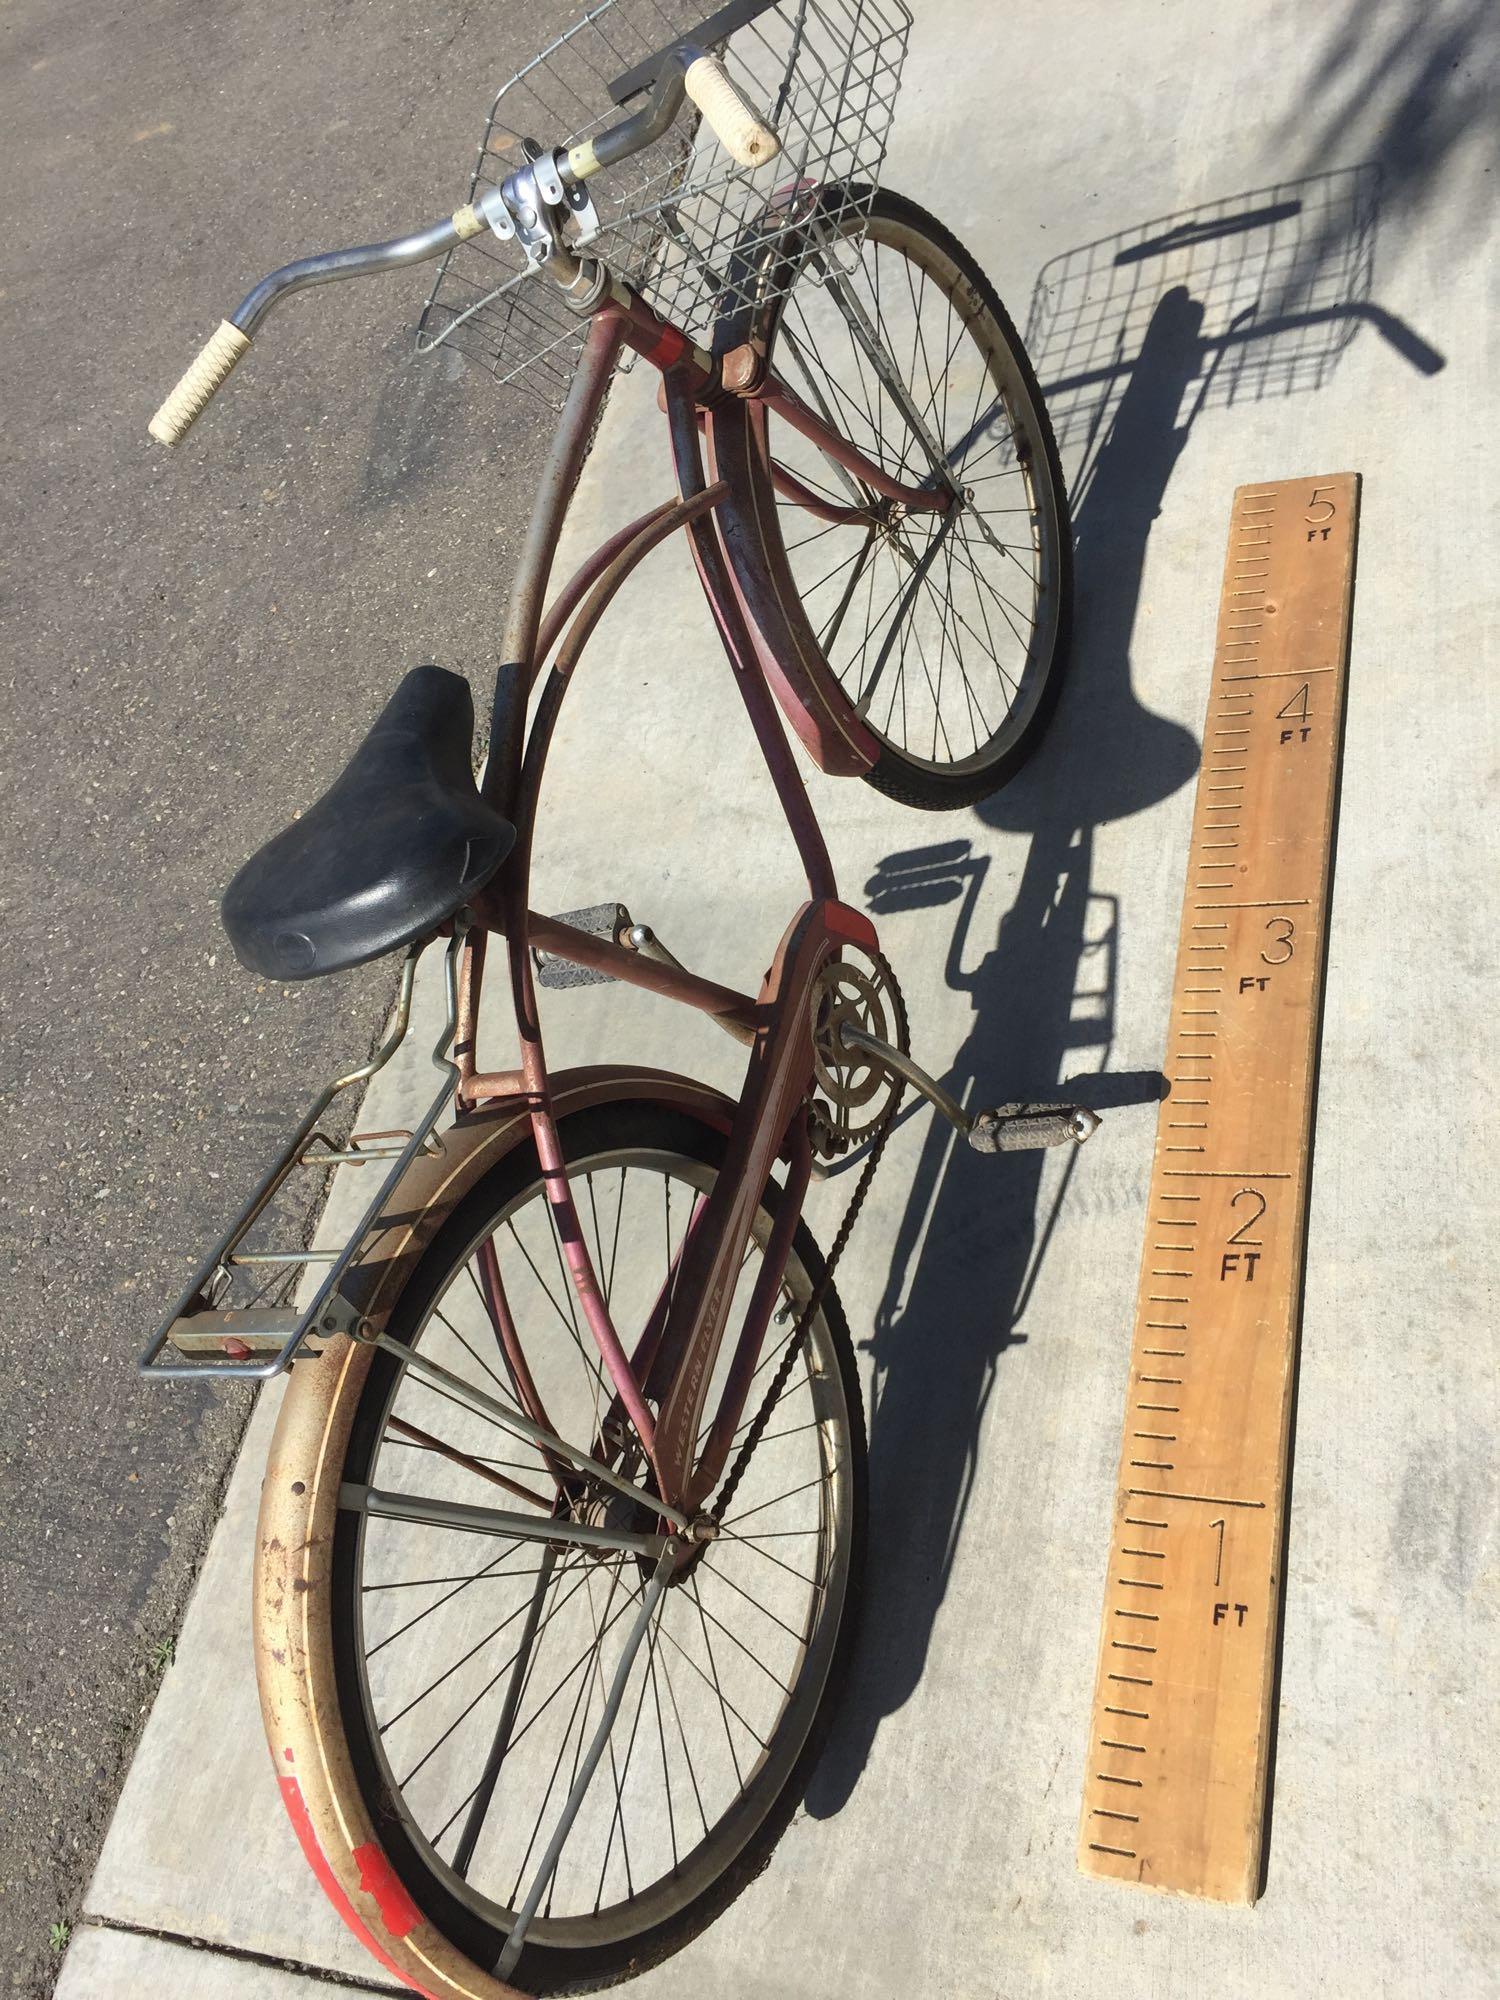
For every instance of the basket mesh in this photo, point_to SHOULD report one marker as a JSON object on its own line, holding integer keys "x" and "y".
{"x": 675, "y": 217}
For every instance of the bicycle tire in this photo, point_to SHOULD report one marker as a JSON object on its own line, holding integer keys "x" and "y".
{"x": 932, "y": 782}
{"x": 549, "y": 1967}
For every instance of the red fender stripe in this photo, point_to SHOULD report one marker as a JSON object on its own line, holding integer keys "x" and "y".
{"x": 379, "y": 1879}
{"x": 399, "y": 1913}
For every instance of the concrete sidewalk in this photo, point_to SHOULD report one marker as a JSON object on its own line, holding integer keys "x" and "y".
{"x": 1147, "y": 180}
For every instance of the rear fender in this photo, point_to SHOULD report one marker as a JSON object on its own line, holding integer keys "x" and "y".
{"x": 294, "y": 1537}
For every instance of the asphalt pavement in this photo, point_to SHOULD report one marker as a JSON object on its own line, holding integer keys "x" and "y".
{"x": 191, "y": 646}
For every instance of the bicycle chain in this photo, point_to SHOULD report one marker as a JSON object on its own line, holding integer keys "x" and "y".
{"x": 809, "y": 1312}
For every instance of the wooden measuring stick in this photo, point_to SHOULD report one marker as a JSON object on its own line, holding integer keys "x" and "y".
{"x": 1174, "y": 1790}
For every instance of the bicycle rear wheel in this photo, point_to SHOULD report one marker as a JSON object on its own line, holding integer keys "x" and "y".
{"x": 948, "y": 633}
{"x": 471, "y": 1670}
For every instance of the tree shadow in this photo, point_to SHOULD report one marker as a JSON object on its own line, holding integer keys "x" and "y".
{"x": 1133, "y": 339}
{"x": 1411, "y": 87}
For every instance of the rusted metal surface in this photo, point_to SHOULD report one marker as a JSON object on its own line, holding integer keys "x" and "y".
{"x": 734, "y": 1009}
{"x": 718, "y": 588}
{"x": 416, "y": 1435}
{"x": 776, "y": 1084}
{"x": 713, "y": 1455}
{"x": 582, "y": 581}
{"x": 743, "y": 368}
{"x": 466, "y": 1021}
{"x": 786, "y": 651}
{"x": 559, "y": 477}
{"x": 790, "y": 487}
{"x": 775, "y": 395}
{"x": 490, "y": 1086}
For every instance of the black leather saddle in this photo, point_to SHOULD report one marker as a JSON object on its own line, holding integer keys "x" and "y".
{"x": 397, "y": 844}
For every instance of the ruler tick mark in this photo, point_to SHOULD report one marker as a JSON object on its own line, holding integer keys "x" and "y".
{"x": 1274, "y": 903}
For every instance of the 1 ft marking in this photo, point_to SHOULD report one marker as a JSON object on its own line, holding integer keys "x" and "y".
{"x": 1174, "y": 1792}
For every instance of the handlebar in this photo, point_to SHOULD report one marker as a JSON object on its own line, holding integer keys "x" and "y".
{"x": 686, "y": 70}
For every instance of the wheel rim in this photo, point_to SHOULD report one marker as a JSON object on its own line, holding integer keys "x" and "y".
{"x": 943, "y": 650}
{"x": 725, "y": 1688}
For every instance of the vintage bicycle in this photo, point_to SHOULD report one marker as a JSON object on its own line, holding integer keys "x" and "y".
{"x": 562, "y": 1530}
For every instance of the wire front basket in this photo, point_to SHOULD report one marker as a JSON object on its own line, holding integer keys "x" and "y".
{"x": 681, "y": 218}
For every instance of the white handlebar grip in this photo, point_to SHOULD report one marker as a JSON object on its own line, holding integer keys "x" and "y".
{"x": 207, "y": 373}
{"x": 735, "y": 125}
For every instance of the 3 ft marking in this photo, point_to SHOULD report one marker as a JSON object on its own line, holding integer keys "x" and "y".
{"x": 1174, "y": 1791}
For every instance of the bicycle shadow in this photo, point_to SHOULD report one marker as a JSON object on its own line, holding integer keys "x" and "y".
{"x": 975, "y": 1230}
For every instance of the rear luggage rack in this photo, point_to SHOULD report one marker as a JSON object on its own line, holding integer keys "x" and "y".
{"x": 211, "y": 1330}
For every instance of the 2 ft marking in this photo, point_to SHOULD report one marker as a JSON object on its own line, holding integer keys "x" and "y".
{"x": 1181, "y": 1718}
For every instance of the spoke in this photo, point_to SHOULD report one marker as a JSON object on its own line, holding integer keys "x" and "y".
{"x": 490, "y": 1570}
{"x": 661, "y": 1737}
{"x": 449, "y": 1672}
{"x": 808, "y": 589}
{"x": 614, "y": 1251}
{"x": 806, "y": 541}
{"x": 752, "y": 1543}
{"x": 682, "y": 1733}
{"x": 713, "y": 1668}
{"x": 750, "y": 1654}
{"x": 425, "y": 1441}
{"x": 991, "y": 648}
{"x": 478, "y": 1359}
{"x": 937, "y": 604}
{"x": 649, "y": 1599}
{"x": 617, "y": 1819}
{"x": 520, "y": 1674}
{"x": 727, "y": 1707}
{"x": 429, "y": 1582}
{"x": 1002, "y": 603}
{"x": 790, "y": 1494}
{"x": 765, "y": 1611}
{"x": 830, "y": 631}
{"x": 796, "y": 1430}
{"x": 589, "y": 1653}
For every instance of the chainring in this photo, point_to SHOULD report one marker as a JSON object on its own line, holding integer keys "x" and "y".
{"x": 856, "y": 1090}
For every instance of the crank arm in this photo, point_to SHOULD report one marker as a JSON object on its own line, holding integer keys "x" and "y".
{"x": 1008, "y": 1128}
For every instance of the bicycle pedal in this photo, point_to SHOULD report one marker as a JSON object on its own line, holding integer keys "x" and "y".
{"x": 1027, "y": 1128}
{"x": 602, "y": 920}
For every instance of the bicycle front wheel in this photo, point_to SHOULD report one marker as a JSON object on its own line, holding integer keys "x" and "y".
{"x": 471, "y": 1671}
{"x": 948, "y": 632}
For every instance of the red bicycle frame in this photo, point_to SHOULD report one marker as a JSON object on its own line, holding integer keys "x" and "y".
{"x": 769, "y": 646}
